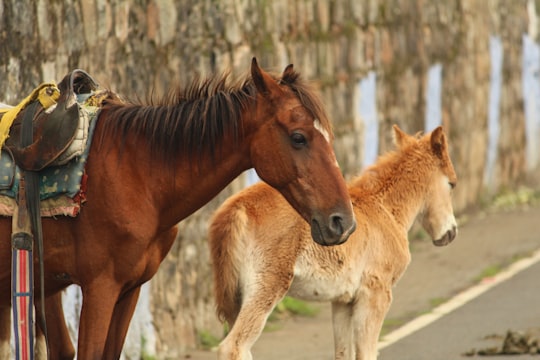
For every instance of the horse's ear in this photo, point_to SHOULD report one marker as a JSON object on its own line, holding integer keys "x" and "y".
{"x": 288, "y": 72}
{"x": 438, "y": 141}
{"x": 264, "y": 83}
{"x": 400, "y": 137}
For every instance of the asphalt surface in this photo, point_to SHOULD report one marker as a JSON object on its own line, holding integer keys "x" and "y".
{"x": 512, "y": 305}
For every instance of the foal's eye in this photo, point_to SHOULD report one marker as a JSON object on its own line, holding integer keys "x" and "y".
{"x": 298, "y": 140}
{"x": 452, "y": 184}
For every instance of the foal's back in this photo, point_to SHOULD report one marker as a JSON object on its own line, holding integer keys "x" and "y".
{"x": 245, "y": 237}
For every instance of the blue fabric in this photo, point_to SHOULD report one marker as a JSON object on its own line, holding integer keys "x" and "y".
{"x": 7, "y": 171}
{"x": 55, "y": 180}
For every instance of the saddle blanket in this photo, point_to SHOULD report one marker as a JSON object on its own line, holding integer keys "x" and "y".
{"x": 62, "y": 187}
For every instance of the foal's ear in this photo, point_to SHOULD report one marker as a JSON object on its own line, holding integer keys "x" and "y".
{"x": 264, "y": 83}
{"x": 400, "y": 137}
{"x": 438, "y": 141}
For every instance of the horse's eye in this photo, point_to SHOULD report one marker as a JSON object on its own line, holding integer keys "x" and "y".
{"x": 452, "y": 184}
{"x": 298, "y": 140}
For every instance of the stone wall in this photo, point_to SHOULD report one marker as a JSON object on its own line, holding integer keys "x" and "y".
{"x": 135, "y": 46}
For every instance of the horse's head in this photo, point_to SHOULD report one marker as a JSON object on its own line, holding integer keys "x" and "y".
{"x": 291, "y": 150}
{"x": 438, "y": 214}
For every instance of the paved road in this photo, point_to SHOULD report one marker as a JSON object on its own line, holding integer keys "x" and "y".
{"x": 512, "y": 305}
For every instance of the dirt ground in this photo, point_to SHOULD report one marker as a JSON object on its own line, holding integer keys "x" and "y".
{"x": 486, "y": 243}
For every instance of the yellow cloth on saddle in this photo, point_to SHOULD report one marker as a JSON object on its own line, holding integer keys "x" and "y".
{"x": 46, "y": 94}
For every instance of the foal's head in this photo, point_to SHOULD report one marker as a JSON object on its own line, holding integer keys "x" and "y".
{"x": 437, "y": 216}
{"x": 291, "y": 150}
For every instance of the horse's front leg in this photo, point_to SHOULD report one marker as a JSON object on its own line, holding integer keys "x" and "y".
{"x": 99, "y": 300}
{"x": 123, "y": 312}
{"x": 368, "y": 315}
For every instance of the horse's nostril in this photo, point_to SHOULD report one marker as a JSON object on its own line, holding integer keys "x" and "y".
{"x": 336, "y": 224}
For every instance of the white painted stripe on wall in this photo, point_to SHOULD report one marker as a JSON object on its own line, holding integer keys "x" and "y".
{"x": 494, "y": 102}
{"x": 367, "y": 111}
{"x": 433, "y": 116}
{"x": 531, "y": 99}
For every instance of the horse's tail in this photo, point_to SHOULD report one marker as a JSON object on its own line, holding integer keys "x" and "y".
{"x": 226, "y": 237}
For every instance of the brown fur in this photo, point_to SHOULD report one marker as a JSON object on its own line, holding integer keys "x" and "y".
{"x": 261, "y": 249}
{"x": 137, "y": 193}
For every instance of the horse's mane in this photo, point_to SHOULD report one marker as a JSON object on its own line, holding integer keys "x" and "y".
{"x": 194, "y": 119}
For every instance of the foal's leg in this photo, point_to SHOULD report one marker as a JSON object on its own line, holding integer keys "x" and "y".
{"x": 5, "y": 332}
{"x": 368, "y": 316}
{"x": 40, "y": 346}
{"x": 123, "y": 312}
{"x": 255, "y": 309}
{"x": 60, "y": 344}
{"x": 343, "y": 331}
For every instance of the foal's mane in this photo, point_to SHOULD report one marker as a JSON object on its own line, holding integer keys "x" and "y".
{"x": 195, "y": 118}
{"x": 391, "y": 165}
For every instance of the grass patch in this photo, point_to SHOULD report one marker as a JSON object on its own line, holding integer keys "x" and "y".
{"x": 418, "y": 233}
{"x": 391, "y": 324}
{"x": 490, "y": 271}
{"x": 290, "y": 306}
{"x": 493, "y": 270}
{"x": 145, "y": 356}
{"x": 436, "y": 301}
{"x": 298, "y": 307}
{"x": 207, "y": 341}
{"x": 509, "y": 200}
{"x": 272, "y": 325}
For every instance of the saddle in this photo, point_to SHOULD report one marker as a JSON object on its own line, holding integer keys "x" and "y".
{"x": 54, "y": 127}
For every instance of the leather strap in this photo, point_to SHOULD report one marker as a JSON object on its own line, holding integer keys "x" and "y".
{"x": 33, "y": 204}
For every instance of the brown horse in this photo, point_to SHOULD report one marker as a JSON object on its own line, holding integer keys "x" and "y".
{"x": 150, "y": 166}
{"x": 261, "y": 249}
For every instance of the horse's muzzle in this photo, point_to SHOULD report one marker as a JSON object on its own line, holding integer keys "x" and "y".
{"x": 335, "y": 231}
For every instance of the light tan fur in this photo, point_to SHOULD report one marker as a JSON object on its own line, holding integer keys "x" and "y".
{"x": 262, "y": 250}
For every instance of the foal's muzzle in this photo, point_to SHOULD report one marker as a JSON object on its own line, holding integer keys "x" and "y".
{"x": 447, "y": 237}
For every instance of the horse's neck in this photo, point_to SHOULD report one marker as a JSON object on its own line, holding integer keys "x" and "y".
{"x": 202, "y": 181}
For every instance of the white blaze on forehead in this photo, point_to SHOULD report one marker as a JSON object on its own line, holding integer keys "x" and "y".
{"x": 325, "y": 134}
{"x": 320, "y": 128}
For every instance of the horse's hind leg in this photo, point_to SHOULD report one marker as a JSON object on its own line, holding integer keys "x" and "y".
{"x": 123, "y": 312}
{"x": 5, "y": 332}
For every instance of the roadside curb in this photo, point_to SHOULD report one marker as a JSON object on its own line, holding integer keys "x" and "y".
{"x": 458, "y": 300}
